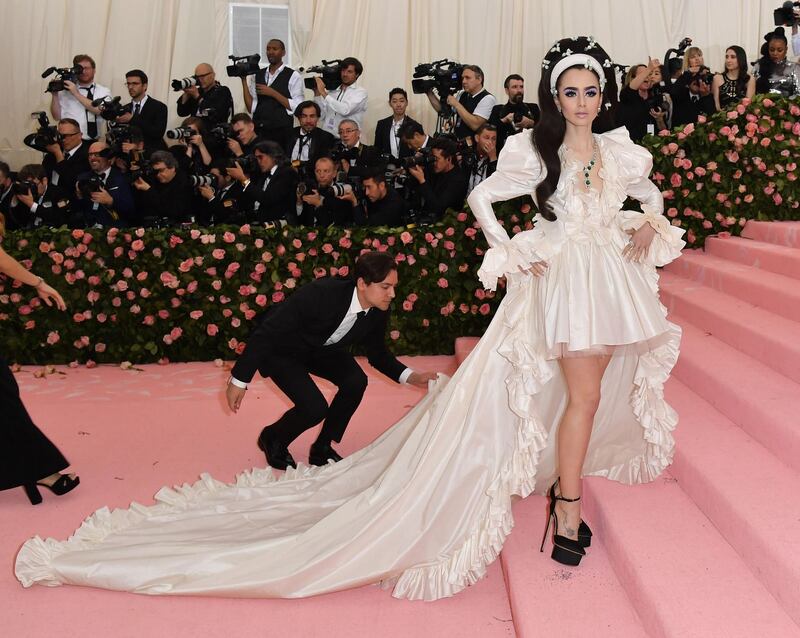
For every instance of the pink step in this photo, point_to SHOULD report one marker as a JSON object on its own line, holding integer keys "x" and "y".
{"x": 682, "y": 577}
{"x": 753, "y": 509}
{"x": 752, "y": 395}
{"x": 781, "y": 260}
{"x": 544, "y": 594}
{"x": 763, "y": 335}
{"x": 464, "y": 346}
{"x": 781, "y": 233}
{"x": 776, "y": 293}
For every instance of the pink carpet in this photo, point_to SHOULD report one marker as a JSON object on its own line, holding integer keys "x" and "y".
{"x": 711, "y": 549}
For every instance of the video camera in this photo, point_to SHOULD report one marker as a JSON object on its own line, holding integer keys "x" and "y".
{"x": 62, "y": 75}
{"x": 184, "y": 83}
{"x": 110, "y": 108}
{"x": 242, "y": 66}
{"x": 677, "y": 53}
{"x": 786, "y": 15}
{"x": 442, "y": 75}
{"x": 45, "y": 136}
{"x": 329, "y": 70}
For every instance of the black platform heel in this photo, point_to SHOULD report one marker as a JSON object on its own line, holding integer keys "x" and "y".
{"x": 584, "y": 534}
{"x": 565, "y": 550}
{"x": 64, "y": 484}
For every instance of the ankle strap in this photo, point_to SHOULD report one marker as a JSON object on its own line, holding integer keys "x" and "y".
{"x": 568, "y": 500}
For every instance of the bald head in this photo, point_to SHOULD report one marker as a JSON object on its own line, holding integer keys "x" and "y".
{"x": 205, "y": 75}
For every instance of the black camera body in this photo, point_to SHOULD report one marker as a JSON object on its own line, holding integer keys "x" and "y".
{"x": 703, "y": 75}
{"x": 518, "y": 109}
{"x": 89, "y": 185}
{"x": 329, "y": 70}
{"x": 184, "y": 83}
{"x": 656, "y": 98}
{"x": 442, "y": 75}
{"x": 46, "y": 135}
{"x": 248, "y": 163}
{"x": 423, "y": 157}
{"x": 785, "y": 15}
{"x": 142, "y": 169}
{"x": 63, "y": 74}
{"x": 110, "y": 108}
{"x": 341, "y": 152}
{"x": 222, "y": 132}
{"x": 242, "y": 66}
{"x": 180, "y": 133}
{"x": 23, "y": 187}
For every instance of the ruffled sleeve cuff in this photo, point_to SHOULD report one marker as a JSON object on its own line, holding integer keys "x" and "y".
{"x": 501, "y": 260}
{"x": 667, "y": 244}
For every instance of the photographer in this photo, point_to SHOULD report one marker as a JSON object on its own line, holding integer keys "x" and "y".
{"x": 165, "y": 200}
{"x": 6, "y": 190}
{"x": 144, "y": 112}
{"x": 246, "y": 139}
{"x": 221, "y": 203}
{"x": 354, "y": 157}
{"x": 692, "y": 97}
{"x": 346, "y": 101}
{"x": 206, "y": 98}
{"x": 308, "y": 142}
{"x": 516, "y": 114}
{"x": 384, "y": 206}
{"x": 274, "y": 95}
{"x": 443, "y": 187}
{"x": 194, "y": 156}
{"x": 413, "y": 136}
{"x": 75, "y": 102}
{"x": 641, "y": 109}
{"x": 317, "y": 203}
{"x": 36, "y": 201}
{"x": 387, "y": 130}
{"x": 104, "y": 194}
{"x": 269, "y": 196}
{"x": 473, "y": 104}
{"x": 67, "y": 158}
{"x": 484, "y": 162}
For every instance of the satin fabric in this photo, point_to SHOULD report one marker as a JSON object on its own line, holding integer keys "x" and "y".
{"x": 426, "y": 507}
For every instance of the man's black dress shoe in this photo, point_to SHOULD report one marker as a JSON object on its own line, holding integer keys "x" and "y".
{"x": 321, "y": 453}
{"x": 277, "y": 454}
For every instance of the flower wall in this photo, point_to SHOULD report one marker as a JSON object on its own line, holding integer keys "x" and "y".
{"x": 186, "y": 295}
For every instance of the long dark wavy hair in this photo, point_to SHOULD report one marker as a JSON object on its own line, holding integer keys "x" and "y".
{"x": 548, "y": 134}
{"x": 765, "y": 64}
{"x": 744, "y": 76}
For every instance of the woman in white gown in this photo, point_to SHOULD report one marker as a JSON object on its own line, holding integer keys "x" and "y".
{"x": 426, "y": 507}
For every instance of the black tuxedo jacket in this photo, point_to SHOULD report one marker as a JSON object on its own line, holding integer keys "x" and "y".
{"x": 68, "y": 170}
{"x": 300, "y": 326}
{"x": 389, "y": 211}
{"x": 121, "y": 213}
{"x": 320, "y": 144}
{"x": 152, "y": 121}
{"x": 277, "y": 201}
{"x": 368, "y": 159}
{"x": 383, "y": 134}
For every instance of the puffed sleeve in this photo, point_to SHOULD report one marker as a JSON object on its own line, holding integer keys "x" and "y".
{"x": 634, "y": 164}
{"x": 519, "y": 171}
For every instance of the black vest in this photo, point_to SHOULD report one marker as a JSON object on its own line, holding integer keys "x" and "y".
{"x": 270, "y": 113}
{"x": 469, "y": 102}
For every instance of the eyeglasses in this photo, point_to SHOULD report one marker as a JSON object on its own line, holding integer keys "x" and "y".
{"x": 91, "y": 154}
{"x": 161, "y": 170}
{"x": 202, "y": 75}
{"x": 347, "y": 131}
{"x": 70, "y": 134}
{"x": 137, "y": 83}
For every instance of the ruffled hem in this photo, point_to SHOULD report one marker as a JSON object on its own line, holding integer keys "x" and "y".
{"x": 667, "y": 243}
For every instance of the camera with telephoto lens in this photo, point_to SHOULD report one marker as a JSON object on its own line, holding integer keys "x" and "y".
{"x": 65, "y": 74}
{"x": 185, "y": 83}
{"x": 518, "y": 111}
{"x": 201, "y": 180}
{"x": 89, "y": 185}
{"x": 46, "y": 135}
{"x": 656, "y": 98}
{"x": 222, "y": 132}
{"x": 180, "y": 133}
{"x": 110, "y": 108}
{"x": 142, "y": 169}
{"x": 24, "y": 187}
{"x": 242, "y": 66}
{"x": 341, "y": 152}
{"x": 786, "y": 15}
{"x": 329, "y": 70}
{"x": 444, "y": 76}
{"x": 423, "y": 157}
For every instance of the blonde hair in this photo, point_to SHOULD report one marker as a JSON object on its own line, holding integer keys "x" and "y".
{"x": 631, "y": 74}
{"x": 690, "y": 53}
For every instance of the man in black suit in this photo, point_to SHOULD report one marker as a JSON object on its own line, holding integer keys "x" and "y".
{"x": 516, "y": 114}
{"x": 311, "y": 333}
{"x": 691, "y": 97}
{"x": 66, "y": 159}
{"x": 268, "y": 197}
{"x": 307, "y": 142}
{"x": 144, "y": 112}
{"x": 484, "y": 162}
{"x": 244, "y": 128}
{"x": 207, "y": 99}
{"x": 444, "y": 185}
{"x": 220, "y": 202}
{"x": 317, "y": 204}
{"x": 384, "y": 206}
{"x": 356, "y": 158}
{"x": 169, "y": 196}
{"x": 104, "y": 194}
{"x": 387, "y": 130}
{"x": 413, "y": 136}
{"x": 36, "y": 202}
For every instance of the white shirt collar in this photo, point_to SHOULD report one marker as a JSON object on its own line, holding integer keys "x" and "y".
{"x": 140, "y": 102}
{"x": 355, "y": 304}
{"x": 278, "y": 70}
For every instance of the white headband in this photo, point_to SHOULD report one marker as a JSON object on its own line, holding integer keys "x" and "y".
{"x": 576, "y": 59}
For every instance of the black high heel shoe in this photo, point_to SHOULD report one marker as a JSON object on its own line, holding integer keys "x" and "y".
{"x": 64, "y": 484}
{"x": 565, "y": 550}
{"x": 584, "y": 532}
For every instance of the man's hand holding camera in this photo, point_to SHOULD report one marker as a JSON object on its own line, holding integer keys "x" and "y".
{"x": 102, "y": 197}
{"x": 124, "y": 118}
{"x": 56, "y": 151}
{"x": 349, "y": 196}
{"x": 26, "y": 199}
{"x": 237, "y": 173}
{"x": 234, "y": 147}
{"x": 141, "y": 184}
{"x": 313, "y": 198}
{"x": 320, "y": 87}
{"x": 206, "y": 192}
{"x": 418, "y": 173}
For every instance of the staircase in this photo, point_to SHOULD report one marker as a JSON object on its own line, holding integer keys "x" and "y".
{"x": 712, "y": 548}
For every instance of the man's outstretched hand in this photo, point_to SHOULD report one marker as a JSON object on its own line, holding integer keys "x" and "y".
{"x": 234, "y": 394}
{"x": 421, "y": 378}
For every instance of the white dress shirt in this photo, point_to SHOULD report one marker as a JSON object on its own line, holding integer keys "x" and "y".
{"x": 301, "y": 146}
{"x": 343, "y": 103}
{"x": 67, "y": 154}
{"x": 70, "y": 107}
{"x": 141, "y": 104}
{"x": 394, "y": 136}
{"x": 296, "y": 88}
{"x": 350, "y": 318}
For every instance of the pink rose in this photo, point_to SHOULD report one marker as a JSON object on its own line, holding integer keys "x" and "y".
{"x": 175, "y": 333}
{"x": 149, "y": 320}
{"x": 394, "y": 334}
{"x": 137, "y": 245}
{"x": 212, "y": 330}
{"x": 407, "y": 238}
{"x": 408, "y": 306}
{"x": 442, "y": 282}
{"x": 53, "y": 337}
{"x": 218, "y": 253}
{"x": 484, "y": 309}
{"x": 196, "y": 314}
{"x": 277, "y": 297}
{"x": 675, "y": 180}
